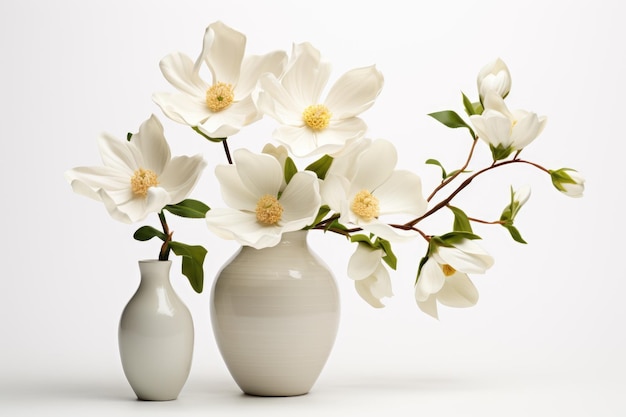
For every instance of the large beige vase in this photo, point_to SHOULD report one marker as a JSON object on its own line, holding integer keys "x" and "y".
{"x": 275, "y": 315}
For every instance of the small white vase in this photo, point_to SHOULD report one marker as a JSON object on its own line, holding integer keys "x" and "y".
{"x": 275, "y": 315}
{"x": 156, "y": 336}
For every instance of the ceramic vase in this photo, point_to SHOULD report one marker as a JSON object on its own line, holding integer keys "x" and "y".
{"x": 156, "y": 336}
{"x": 275, "y": 315}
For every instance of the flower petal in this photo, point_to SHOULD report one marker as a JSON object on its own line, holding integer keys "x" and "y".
{"x": 229, "y": 121}
{"x": 243, "y": 227}
{"x": 181, "y": 176}
{"x": 375, "y": 287}
{"x": 466, "y": 256}
{"x": 401, "y": 193}
{"x": 260, "y": 173}
{"x": 254, "y": 65}
{"x": 429, "y": 306}
{"x": 87, "y": 181}
{"x": 306, "y": 75}
{"x": 300, "y": 141}
{"x": 376, "y": 165}
{"x": 354, "y": 92}
{"x": 301, "y": 201}
{"x": 178, "y": 70}
{"x": 234, "y": 192}
{"x": 338, "y": 135}
{"x": 153, "y": 149}
{"x": 183, "y": 108}
{"x": 363, "y": 262}
{"x": 430, "y": 281}
{"x": 459, "y": 291}
{"x": 273, "y": 100}
{"x": 223, "y": 50}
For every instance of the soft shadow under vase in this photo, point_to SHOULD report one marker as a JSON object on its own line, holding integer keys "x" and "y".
{"x": 275, "y": 315}
{"x": 156, "y": 336}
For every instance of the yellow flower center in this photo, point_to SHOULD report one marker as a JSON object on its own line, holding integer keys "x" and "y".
{"x": 268, "y": 210}
{"x": 365, "y": 205}
{"x": 141, "y": 180}
{"x": 448, "y": 270}
{"x": 316, "y": 116}
{"x": 219, "y": 96}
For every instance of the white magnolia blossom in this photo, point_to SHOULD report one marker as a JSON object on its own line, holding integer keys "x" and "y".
{"x": 369, "y": 188}
{"x": 259, "y": 213}
{"x": 139, "y": 176}
{"x": 503, "y": 130}
{"x": 443, "y": 278}
{"x": 221, "y": 107}
{"x": 308, "y": 124}
{"x": 371, "y": 278}
{"x": 494, "y": 76}
{"x": 568, "y": 181}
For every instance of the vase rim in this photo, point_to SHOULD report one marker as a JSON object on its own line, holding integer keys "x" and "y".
{"x": 148, "y": 261}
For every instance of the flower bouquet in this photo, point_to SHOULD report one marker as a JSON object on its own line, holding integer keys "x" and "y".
{"x": 322, "y": 173}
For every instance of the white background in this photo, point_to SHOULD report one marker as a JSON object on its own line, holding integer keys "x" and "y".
{"x": 547, "y": 336}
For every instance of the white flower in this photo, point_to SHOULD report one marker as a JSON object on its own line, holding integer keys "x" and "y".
{"x": 494, "y": 76}
{"x": 259, "y": 213}
{"x": 310, "y": 126}
{"x": 371, "y": 278}
{"x": 139, "y": 176}
{"x": 371, "y": 188}
{"x": 568, "y": 181}
{"x": 219, "y": 108}
{"x": 521, "y": 195}
{"x": 443, "y": 278}
{"x": 503, "y": 130}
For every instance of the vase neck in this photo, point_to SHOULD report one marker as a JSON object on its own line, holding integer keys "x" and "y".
{"x": 297, "y": 238}
{"x": 154, "y": 273}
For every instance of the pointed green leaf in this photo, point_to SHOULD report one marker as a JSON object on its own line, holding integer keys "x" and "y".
{"x": 451, "y": 119}
{"x": 321, "y": 166}
{"x": 290, "y": 169}
{"x": 461, "y": 222}
{"x": 129, "y": 136}
{"x": 435, "y": 162}
{"x": 361, "y": 238}
{"x": 189, "y": 208}
{"x": 192, "y": 263}
{"x": 390, "y": 257}
{"x": 323, "y": 211}
{"x": 148, "y": 232}
{"x": 515, "y": 234}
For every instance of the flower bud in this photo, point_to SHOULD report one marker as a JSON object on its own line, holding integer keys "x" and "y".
{"x": 494, "y": 76}
{"x": 568, "y": 181}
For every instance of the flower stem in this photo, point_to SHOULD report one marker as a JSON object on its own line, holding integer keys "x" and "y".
{"x": 164, "y": 253}
{"x": 456, "y": 174}
{"x": 446, "y": 201}
{"x": 227, "y": 151}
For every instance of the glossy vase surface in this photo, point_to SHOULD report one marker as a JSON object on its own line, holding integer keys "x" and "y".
{"x": 275, "y": 315}
{"x": 156, "y": 336}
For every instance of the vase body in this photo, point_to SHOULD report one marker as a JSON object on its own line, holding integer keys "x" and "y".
{"x": 156, "y": 336}
{"x": 275, "y": 315}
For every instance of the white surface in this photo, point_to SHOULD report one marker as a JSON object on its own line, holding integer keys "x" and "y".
{"x": 547, "y": 336}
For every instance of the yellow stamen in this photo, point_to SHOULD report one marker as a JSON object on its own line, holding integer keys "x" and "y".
{"x": 268, "y": 210}
{"x": 448, "y": 270}
{"x": 219, "y": 96}
{"x": 365, "y": 205}
{"x": 141, "y": 180}
{"x": 316, "y": 116}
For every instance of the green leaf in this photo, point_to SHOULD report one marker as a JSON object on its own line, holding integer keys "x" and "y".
{"x": 419, "y": 268}
{"x": 472, "y": 108}
{"x": 148, "y": 232}
{"x": 129, "y": 136}
{"x": 450, "y": 238}
{"x": 361, "y": 238}
{"x": 189, "y": 208}
{"x": 451, "y": 119}
{"x": 321, "y": 166}
{"x": 323, "y": 211}
{"x": 290, "y": 169}
{"x": 389, "y": 258}
{"x": 192, "y": 263}
{"x": 461, "y": 222}
{"x": 198, "y": 131}
{"x": 515, "y": 234}
{"x": 435, "y": 162}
